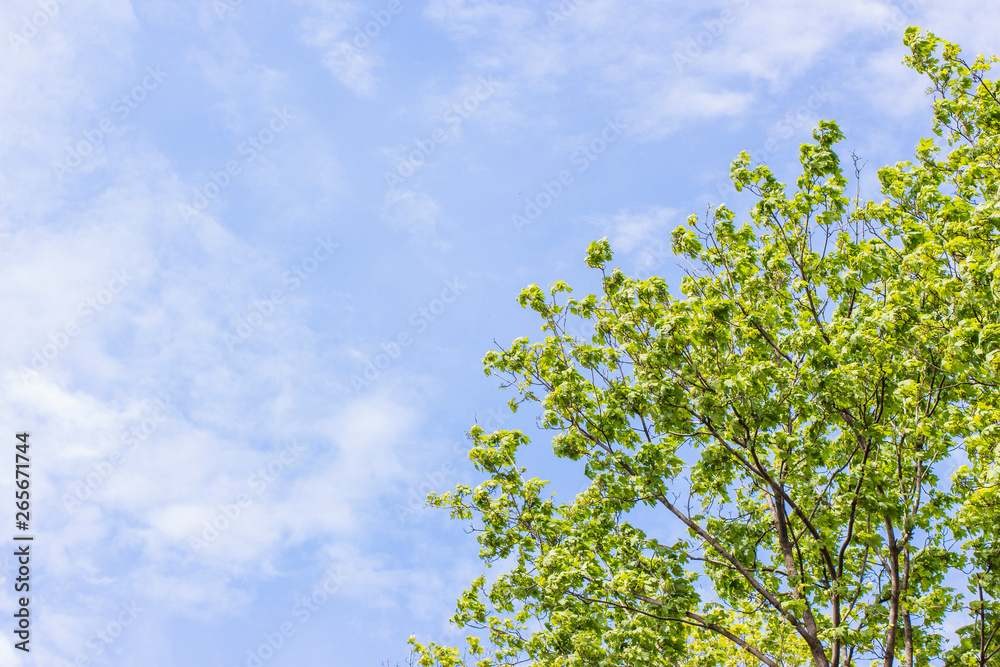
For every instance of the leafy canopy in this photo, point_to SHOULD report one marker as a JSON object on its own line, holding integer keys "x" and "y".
{"x": 794, "y": 414}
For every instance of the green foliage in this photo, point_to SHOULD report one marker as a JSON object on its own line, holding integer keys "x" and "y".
{"x": 793, "y": 413}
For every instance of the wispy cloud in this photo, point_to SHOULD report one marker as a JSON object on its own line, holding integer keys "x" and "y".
{"x": 629, "y": 231}
{"x": 120, "y": 299}
{"x": 348, "y": 38}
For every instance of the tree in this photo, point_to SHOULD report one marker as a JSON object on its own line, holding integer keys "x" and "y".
{"x": 793, "y": 413}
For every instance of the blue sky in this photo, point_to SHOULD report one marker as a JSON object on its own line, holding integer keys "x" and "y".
{"x": 254, "y": 252}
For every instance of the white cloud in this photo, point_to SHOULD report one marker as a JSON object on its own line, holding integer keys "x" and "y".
{"x": 337, "y": 30}
{"x": 62, "y": 243}
{"x": 415, "y": 213}
{"x": 629, "y": 231}
{"x": 161, "y": 334}
{"x": 669, "y": 66}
